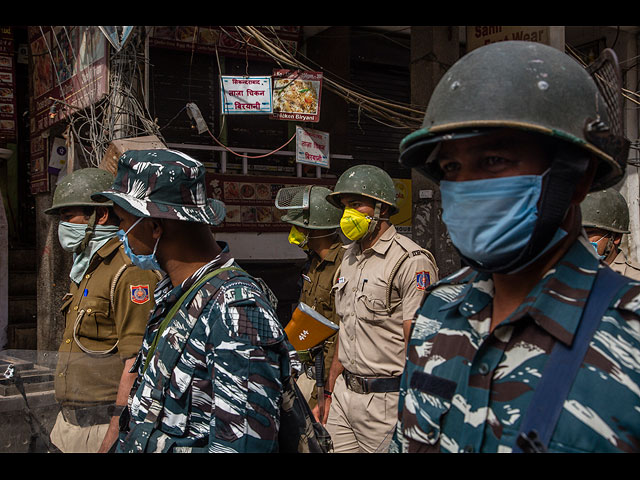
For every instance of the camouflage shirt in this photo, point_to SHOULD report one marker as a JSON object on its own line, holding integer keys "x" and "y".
{"x": 225, "y": 393}
{"x": 465, "y": 389}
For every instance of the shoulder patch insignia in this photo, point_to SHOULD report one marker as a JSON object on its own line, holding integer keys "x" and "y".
{"x": 423, "y": 280}
{"x": 139, "y": 294}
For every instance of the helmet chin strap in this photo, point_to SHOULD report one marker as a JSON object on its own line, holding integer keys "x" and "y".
{"x": 91, "y": 226}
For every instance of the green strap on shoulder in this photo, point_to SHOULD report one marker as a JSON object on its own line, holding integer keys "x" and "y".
{"x": 176, "y": 307}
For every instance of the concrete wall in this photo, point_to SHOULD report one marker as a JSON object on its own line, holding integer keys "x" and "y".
{"x": 433, "y": 50}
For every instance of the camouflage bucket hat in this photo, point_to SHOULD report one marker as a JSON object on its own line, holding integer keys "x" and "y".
{"x": 163, "y": 184}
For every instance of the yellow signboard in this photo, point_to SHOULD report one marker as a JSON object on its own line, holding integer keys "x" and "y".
{"x": 478, "y": 36}
{"x": 402, "y": 219}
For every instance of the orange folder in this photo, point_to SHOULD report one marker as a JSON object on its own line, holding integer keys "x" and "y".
{"x": 307, "y": 328}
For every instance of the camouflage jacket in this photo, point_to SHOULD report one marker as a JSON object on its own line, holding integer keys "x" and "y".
{"x": 465, "y": 389}
{"x": 225, "y": 393}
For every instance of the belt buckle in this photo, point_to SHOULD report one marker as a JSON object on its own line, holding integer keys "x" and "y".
{"x": 355, "y": 384}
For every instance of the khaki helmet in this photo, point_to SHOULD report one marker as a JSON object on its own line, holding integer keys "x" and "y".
{"x": 307, "y": 207}
{"x": 606, "y": 209}
{"x": 532, "y": 87}
{"x": 75, "y": 189}
{"x": 367, "y": 180}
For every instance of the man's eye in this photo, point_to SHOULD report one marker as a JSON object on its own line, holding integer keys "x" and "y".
{"x": 448, "y": 166}
{"x": 495, "y": 162}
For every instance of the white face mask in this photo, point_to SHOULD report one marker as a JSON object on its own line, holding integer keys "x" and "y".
{"x": 71, "y": 235}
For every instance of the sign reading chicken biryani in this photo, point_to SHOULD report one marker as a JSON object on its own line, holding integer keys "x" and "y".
{"x": 312, "y": 147}
{"x": 296, "y": 95}
{"x": 248, "y": 95}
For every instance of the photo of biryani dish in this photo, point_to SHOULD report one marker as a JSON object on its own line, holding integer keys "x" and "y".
{"x": 233, "y": 214}
{"x": 248, "y": 214}
{"x": 231, "y": 191}
{"x": 247, "y": 191}
{"x": 263, "y": 214}
{"x": 295, "y": 96}
{"x": 263, "y": 191}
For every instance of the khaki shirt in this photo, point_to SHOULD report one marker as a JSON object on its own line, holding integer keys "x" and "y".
{"x": 318, "y": 280}
{"x": 627, "y": 268}
{"x": 371, "y": 336}
{"x": 88, "y": 378}
{"x": 318, "y": 294}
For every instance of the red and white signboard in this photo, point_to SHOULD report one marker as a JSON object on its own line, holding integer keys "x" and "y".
{"x": 312, "y": 147}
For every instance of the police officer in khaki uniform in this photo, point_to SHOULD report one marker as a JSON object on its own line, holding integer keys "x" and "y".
{"x": 105, "y": 311}
{"x": 381, "y": 284}
{"x": 605, "y": 217}
{"x": 314, "y": 223}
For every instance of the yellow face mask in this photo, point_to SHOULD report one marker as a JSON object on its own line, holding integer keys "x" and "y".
{"x": 296, "y": 237}
{"x": 354, "y": 224}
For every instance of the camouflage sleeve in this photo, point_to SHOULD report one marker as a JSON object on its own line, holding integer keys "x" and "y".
{"x": 133, "y": 303}
{"x": 248, "y": 363}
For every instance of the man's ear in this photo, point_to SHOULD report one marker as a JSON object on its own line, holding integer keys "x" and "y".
{"x": 157, "y": 226}
{"x": 102, "y": 215}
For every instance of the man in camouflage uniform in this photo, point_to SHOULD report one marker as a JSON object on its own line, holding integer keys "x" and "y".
{"x": 314, "y": 229}
{"x": 512, "y": 176}
{"x": 105, "y": 311}
{"x": 381, "y": 283}
{"x": 605, "y": 217}
{"x": 212, "y": 366}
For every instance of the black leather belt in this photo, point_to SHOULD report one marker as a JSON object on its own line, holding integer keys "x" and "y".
{"x": 362, "y": 384}
{"x": 87, "y": 416}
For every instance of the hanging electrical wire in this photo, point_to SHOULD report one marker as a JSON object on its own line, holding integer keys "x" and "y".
{"x": 394, "y": 114}
{"x": 120, "y": 114}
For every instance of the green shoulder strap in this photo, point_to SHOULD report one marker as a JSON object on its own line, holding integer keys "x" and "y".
{"x": 176, "y": 307}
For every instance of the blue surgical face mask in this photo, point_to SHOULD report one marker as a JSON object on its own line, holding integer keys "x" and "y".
{"x": 145, "y": 262}
{"x": 491, "y": 221}
{"x": 595, "y": 246}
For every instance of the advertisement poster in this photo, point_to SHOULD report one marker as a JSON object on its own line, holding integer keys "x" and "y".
{"x": 68, "y": 64}
{"x": 402, "y": 220}
{"x": 8, "y": 106}
{"x": 312, "y": 147}
{"x": 245, "y": 95}
{"x": 250, "y": 200}
{"x": 39, "y": 165}
{"x": 296, "y": 95}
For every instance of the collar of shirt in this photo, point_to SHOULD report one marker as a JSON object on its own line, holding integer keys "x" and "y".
{"x": 555, "y": 303}
{"x": 166, "y": 294}
{"x": 106, "y": 250}
{"x": 383, "y": 243}
{"x": 331, "y": 255}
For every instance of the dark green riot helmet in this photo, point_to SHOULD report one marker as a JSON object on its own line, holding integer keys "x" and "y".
{"x": 532, "y": 87}
{"x": 75, "y": 189}
{"x": 607, "y": 210}
{"x": 306, "y": 206}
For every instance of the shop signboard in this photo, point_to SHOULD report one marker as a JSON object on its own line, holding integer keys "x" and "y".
{"x": 8, "y": 106}
{"x": 404, "y": 217}
{"x": 312, "y": 147}
{"x": 478, "y": 36}
{"x": 245, "y": 95}
{"x": 69, "y": 64}
{"x": 296, "y": 95}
